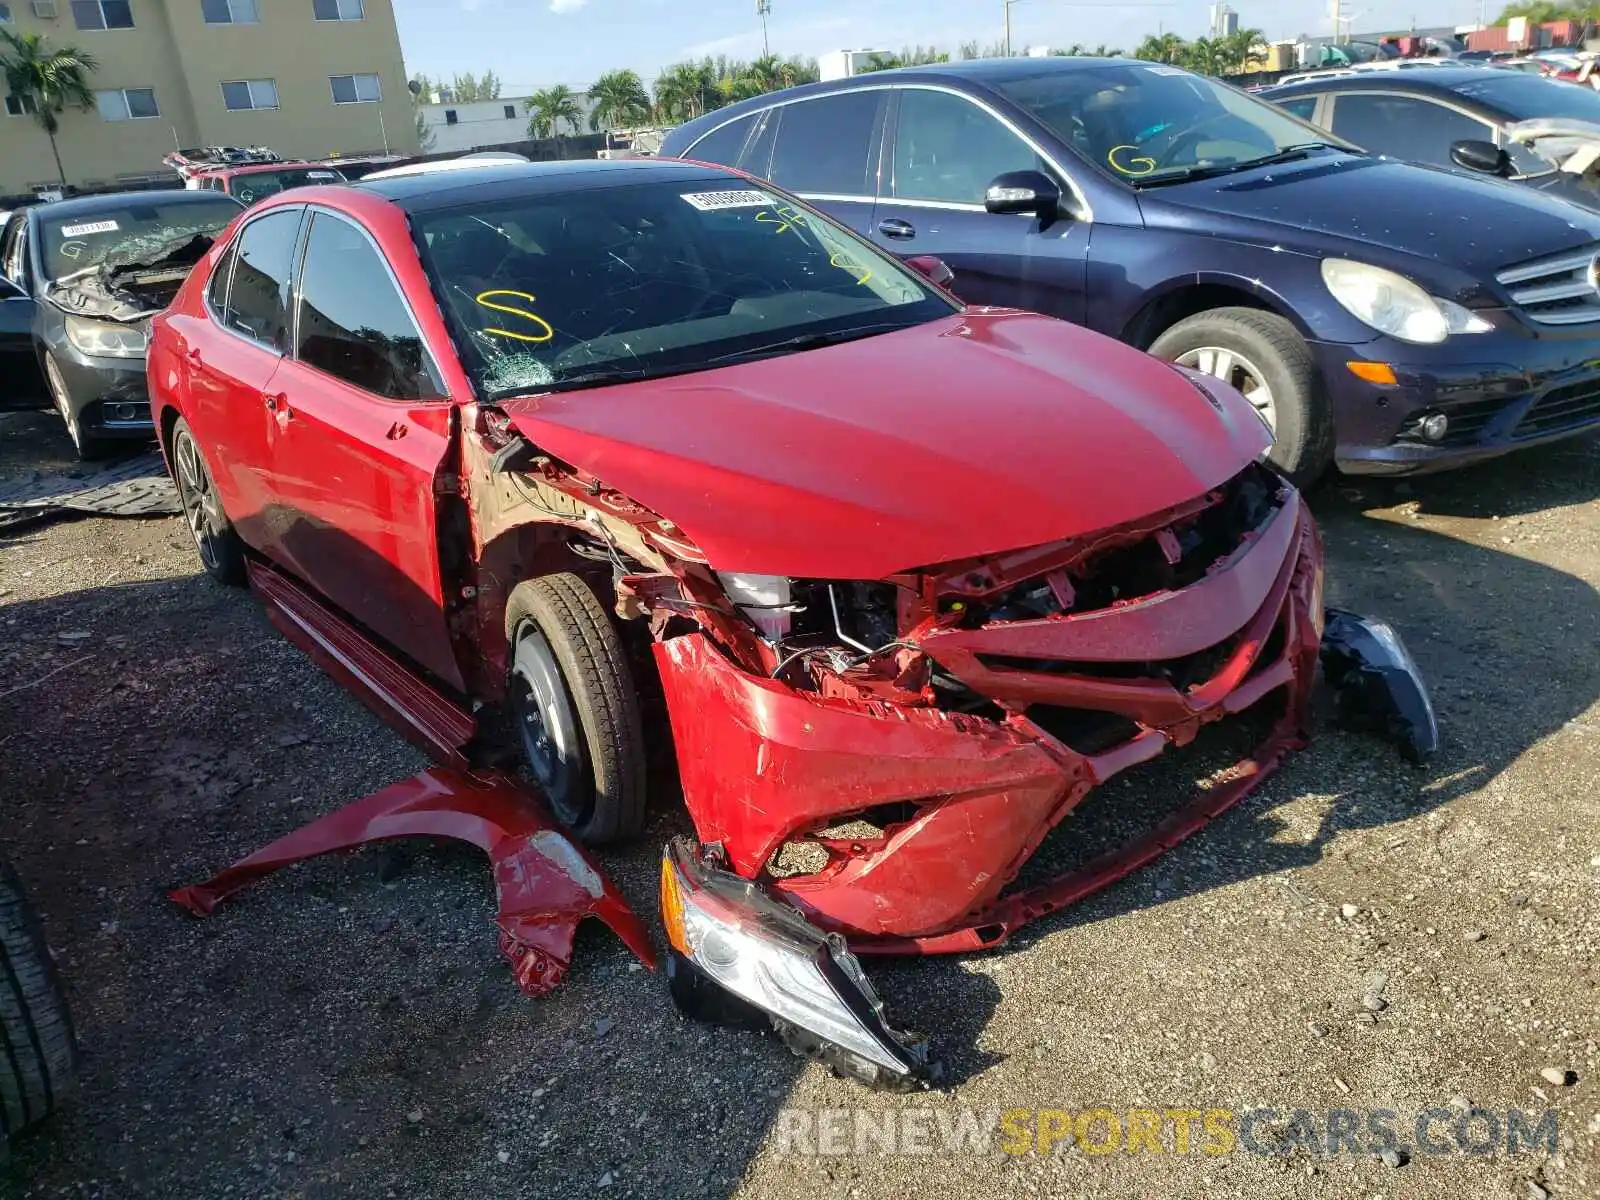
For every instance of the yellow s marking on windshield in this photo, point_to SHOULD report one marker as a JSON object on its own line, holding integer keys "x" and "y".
{"x": 1136, "y": 166}
{"x": 785, "y": 217}
{"x": 849, "y": 266}
{"x": 483, "y": 299}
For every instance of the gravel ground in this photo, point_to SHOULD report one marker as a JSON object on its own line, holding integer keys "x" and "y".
{"x": 1362, "y": 934}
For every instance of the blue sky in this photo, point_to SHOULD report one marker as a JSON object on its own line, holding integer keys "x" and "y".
{"x": 534, "y": 43}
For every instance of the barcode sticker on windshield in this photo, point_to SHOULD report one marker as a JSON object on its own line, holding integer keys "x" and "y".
{"x": 741, "y": 198}
{"x": 72, "y": 231}
{"x": 321, "y": 175}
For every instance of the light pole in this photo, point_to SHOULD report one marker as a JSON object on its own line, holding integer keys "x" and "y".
{"x": 763, "y": 8}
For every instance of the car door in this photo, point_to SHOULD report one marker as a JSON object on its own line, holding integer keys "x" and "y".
{"x": 1413, "y": 128}
{"x": 228, "y": 359}
{"x": 359, "y": 427}
{"x": 943, "y": 151}
{"x": 824, "y": 149}
{"x": 21, "y": 382}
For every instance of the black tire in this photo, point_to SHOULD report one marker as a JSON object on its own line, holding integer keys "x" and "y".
{"x": 595, "y": 784}
{"x": 1304, "y": 424}
{"x": 87, "y": 447}
{"x": 215, "y": 540}
{"x": 38, "y": 1050}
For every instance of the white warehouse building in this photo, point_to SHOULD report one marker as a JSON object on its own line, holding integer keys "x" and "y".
{"x": 463, "y": 127}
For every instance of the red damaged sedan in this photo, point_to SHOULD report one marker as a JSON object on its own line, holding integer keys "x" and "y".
{"x": 506, "y": 448}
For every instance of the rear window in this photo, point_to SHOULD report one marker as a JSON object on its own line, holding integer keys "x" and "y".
{"x": 130, "y": 233}
{"x": 1524, "y": 97}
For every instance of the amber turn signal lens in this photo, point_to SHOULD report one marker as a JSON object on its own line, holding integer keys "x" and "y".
{"x": 672, "y": 907}
{"x": 1379, "y": 373}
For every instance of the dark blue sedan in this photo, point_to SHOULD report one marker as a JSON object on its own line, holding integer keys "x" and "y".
{"x": 1383, "y": 316}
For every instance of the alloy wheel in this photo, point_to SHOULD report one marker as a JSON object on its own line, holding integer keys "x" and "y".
{"x": 1238, "y": 372}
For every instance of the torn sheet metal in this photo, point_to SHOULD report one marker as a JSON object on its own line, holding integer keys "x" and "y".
{"x": 546, "y": 884}
{"x": 139, "y": 278}
{"x": 131, "y": 487}
{"x": 1378, "y": 685}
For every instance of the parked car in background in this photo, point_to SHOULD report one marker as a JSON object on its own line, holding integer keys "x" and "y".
{"x": 1478, "y": 121}
{"x": 498, "y": 444}
{"x": 81, "y": 279}
{"x": 1380, "y": 315}
{"x": 248, "y": 184}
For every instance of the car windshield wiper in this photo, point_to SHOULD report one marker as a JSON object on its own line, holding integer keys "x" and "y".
{"x": 1185, "y": 174}
{"x": 810, "y": 341}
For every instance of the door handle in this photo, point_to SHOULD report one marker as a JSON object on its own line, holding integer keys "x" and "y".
{"x": 194, "y": 355}
{"x": 893, "y": 227}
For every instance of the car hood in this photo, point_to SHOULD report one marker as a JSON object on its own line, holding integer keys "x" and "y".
{"x": 1460, "y": 222}
{"x": 974, "y": 434}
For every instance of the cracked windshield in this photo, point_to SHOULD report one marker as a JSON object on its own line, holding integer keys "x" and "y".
{"x": 653, "y": 279}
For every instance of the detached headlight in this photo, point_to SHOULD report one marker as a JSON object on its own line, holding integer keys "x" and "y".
{"x": 106, "y": 339}
{"x": 1392, "y": 304}
{"x": 768, "y": 955}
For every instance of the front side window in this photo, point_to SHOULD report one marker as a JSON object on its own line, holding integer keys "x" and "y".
{"x": 356, "y": 89}
{"x": 1304, "y": 107}
{"x": 128, "y": 233}
{"x": 553, "y": 291}
{"x": 337, "y": 10}
{"x": 127, "y": 104}
{"x": 103, "y": 14}
{"x": 242, "y": 95}
{"x": 353, "y": 324}
{"x": 16, "y": 257}
{"x": 1405, "y": 127}
{"x": 1145, "y": 123}
{"x": 230, "y": 12}
{"x": 823, "y": 146}
{"x": 948, "y": 149}
{"x": 258, "y": 300}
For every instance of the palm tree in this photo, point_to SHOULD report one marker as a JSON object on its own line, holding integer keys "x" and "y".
{"x": 47, "y": 79}
{"x": 681, "y": 91}
{"x": 1204, "y": 56}
{"x": 1165, "y": 48}
{"x": 771, "y": 74}
{"x": 620, "y": 100}
{"x": 1240, "y": 49}
{"x": 549, "y": 109}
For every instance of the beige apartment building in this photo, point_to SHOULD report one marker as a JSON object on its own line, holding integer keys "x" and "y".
{"x": 306, "y": 78}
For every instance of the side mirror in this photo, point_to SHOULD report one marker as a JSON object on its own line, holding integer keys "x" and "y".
{"x": 1024, "y": 192}
{"x": 1482, "y": 156}
{"x": 935, "y": 270}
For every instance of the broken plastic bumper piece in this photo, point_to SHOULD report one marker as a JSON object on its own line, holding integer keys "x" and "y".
{"x": 546, "y": 883}
{"x": 1377, "y": 683}
{"x": 729, "y": 934}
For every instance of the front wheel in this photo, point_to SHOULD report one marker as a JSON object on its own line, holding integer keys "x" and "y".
{"x": 36, "y": 1072}
{"x": 576, "y": 709}
{"x": 1263, "y": 356}
{"x": 84, "y": 444}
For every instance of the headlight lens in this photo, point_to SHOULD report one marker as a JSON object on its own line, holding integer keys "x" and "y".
{"x": 106, "y": 339}
{"x": 1392, "y": 304}
{"x": 764, "y": 599}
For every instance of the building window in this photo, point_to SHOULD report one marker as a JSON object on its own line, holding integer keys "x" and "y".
{"x": 356, "y": 89}
{"x": 337, "y": 10}
{"x": 128, "y": 104}
{"x": 103, "y": 14}
{"x": 451, "y": 117}
{"x": 5, "y": 14}
{"x": 20, "y": 106}
{"x": 230, "y": 12}
{"x": 242, "y": 95}
{"x": 511, "y": 112}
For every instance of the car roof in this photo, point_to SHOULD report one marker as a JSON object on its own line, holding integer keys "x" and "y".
{"x": 263, "y": 168}
{"x": 972, "y": 71}
{"x": 489, "y": 180}
{"x": 85, "y": 206}
{"x": 1437, "y": 81}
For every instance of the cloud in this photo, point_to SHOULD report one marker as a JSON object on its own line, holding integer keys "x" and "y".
{"x": 566, "y": 6}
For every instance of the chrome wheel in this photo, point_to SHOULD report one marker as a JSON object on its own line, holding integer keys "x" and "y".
{"x": 552, "y": 743}
{"x": 1238, "y": 372}
{"x": 202, "y": 511}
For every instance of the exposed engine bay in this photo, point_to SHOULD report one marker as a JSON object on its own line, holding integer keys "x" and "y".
{"x": 139, "y": 279}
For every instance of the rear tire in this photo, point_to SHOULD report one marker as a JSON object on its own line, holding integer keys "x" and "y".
{"x": 1302, "y": 422}
{"x": 38, "y": 1050}
{"x": 215, "y": 541}
{"x": 576, "y": 708}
